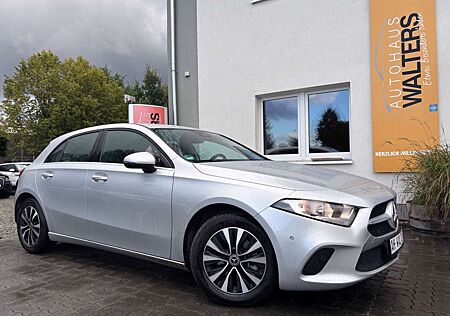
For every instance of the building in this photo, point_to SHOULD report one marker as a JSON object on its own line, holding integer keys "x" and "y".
{"x": 291, "y": 79}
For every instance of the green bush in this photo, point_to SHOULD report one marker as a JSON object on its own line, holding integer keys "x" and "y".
{"x": 427, "y": 179}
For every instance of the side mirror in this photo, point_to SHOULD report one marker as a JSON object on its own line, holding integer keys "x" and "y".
{"x": 141, "y": 160}
{"x": 12, "y": 170}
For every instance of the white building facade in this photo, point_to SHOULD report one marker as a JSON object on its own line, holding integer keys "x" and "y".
{"x": 288, "y": 78}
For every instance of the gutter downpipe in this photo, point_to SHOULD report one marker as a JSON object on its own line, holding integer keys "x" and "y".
{"x": 173, "y": 66}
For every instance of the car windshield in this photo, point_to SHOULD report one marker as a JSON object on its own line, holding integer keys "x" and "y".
{"x": 201, "y": 146}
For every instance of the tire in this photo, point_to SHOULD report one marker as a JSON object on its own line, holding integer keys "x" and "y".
{"x": 30, "y": 214}
{"x": 248, "y": 281}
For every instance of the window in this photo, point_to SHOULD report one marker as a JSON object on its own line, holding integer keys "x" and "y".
{"x": 328, "y": 122}
{"x": 77, "y": 148}
{"x": 8, "y": 168}
{"x": 119, "y": 144}
{"x": 310, "y": 125}
{"x": 201, "y": 146}
{"x": 280, "y": 126}
{"x": 55, "y": 156}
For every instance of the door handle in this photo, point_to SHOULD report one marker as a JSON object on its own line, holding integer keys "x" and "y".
{"x": 99, "y": 177}
{"x": 47, "y": 175}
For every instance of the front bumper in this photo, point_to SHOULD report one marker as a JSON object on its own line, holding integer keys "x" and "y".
{"x": 296, "y": 239}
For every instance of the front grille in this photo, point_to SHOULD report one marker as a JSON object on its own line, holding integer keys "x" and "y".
{"x": 380, "y": 229}
{"x": 379, "y": 209}
{"x": 317, "y": 261}
{"x": 374, "y": 258}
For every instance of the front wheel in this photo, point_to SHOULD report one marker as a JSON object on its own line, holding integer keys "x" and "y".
{"x": 233, "y": 261}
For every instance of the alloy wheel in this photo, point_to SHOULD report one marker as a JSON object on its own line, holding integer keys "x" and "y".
{"x": 234, "y": 260}
{"x": 30, "y": 226}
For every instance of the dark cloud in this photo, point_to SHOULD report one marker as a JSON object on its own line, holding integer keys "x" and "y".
{"x": 125, "y": 35}
{"x": 281, "y": 109}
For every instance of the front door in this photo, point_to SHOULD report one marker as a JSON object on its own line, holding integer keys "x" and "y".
{"x": 128, "y": 208}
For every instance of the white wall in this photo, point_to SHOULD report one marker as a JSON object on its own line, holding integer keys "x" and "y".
{"x": 247, "y": 50}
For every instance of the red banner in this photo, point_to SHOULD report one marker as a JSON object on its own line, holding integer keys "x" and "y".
{"x": 147, "y": 114}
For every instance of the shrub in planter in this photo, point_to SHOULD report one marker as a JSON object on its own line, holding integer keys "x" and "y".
{"x": 427, "y": 182}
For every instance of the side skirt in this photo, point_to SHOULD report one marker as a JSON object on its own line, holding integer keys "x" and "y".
{"x": 122, "y": 251}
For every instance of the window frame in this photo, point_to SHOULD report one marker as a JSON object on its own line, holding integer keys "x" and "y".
{"x": 303, "y": 127}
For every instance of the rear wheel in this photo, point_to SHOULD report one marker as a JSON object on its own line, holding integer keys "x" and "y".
{"x": 233, "y": 261}
{"x": 32, "y": 227}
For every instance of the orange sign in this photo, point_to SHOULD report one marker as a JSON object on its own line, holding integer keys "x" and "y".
{"x": 147, "y": 114}
{"x": 404, "y": 79}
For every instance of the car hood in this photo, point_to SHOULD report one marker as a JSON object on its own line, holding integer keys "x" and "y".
{"x": 297, "y": 177}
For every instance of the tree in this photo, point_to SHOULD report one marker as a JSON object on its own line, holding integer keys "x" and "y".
{"x": 332, "y": 132}
{"x": 293, "y": 140}
{"x": 47, "y": 97}
{"x": 151, "y": 91}
{"x": 269, "y": 140}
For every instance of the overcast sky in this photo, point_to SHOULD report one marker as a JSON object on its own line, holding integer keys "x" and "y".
{"x": 125, "y": 35}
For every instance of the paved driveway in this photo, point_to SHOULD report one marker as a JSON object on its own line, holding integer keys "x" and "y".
{"x": 81, "y": 281}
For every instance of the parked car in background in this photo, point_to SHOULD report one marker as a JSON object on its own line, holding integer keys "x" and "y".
{"x": 12, "y": 170}
{"x": 242, "y": 224}
{"x": 5, "y": 186}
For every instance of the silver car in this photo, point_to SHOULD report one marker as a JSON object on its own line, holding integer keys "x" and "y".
{"x": 242, "y": 224}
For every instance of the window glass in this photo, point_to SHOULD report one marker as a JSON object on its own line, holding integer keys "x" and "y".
{"x": 56, "y": 155}
{"x": 329, "y": 122}
{"x": 201, "y": 146}
{"x": 7, "y": 168}
{"x": 79, "y": 148}
{"x": 207, "y": 150}
{"x": 119, "y": 144}
{"x": 280, "y": 126}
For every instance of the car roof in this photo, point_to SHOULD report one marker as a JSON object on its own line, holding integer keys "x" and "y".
{"x": 116, "y": 125}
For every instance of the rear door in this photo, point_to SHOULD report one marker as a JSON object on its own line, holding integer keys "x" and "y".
{"x": 128, "y": 208}
{"x": 61, "y": 182}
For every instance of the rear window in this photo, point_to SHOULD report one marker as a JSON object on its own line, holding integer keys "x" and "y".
{"x": 77, "y": 148}
{"x": 8, "y": 168}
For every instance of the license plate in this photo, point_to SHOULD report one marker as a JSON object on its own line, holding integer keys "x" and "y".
{"x": 396, "y": 242}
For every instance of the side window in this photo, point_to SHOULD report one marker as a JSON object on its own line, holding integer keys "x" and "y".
{"x": 79, "y": 148}
{"x": 119, "y": 144}
{"x": 56, "y": 154}
{"x": 7, "y": 168}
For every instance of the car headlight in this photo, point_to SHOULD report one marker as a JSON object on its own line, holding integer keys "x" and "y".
{"x": 339, "y": 214}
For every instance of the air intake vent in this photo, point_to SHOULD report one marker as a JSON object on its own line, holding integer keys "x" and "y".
{"x": 380, "y": 229}
{"x": 317, "y": 261}
{"x": 373, "y": 259}
{"x": 379, "y": 209}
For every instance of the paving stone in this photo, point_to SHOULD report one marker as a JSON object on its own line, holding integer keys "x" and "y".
{"x": 75, "y": 280}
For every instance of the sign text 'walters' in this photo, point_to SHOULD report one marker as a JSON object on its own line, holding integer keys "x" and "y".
{"x": 404, "y": 80}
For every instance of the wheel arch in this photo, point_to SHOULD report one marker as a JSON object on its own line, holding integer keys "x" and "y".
{"x": 207, "y": 212}
{"x": 19, "y": 200}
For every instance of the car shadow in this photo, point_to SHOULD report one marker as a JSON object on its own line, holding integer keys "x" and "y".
{"x": 134, "y": 274}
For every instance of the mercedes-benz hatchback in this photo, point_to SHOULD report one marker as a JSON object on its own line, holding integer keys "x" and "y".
{"x": 242, "y": 224}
